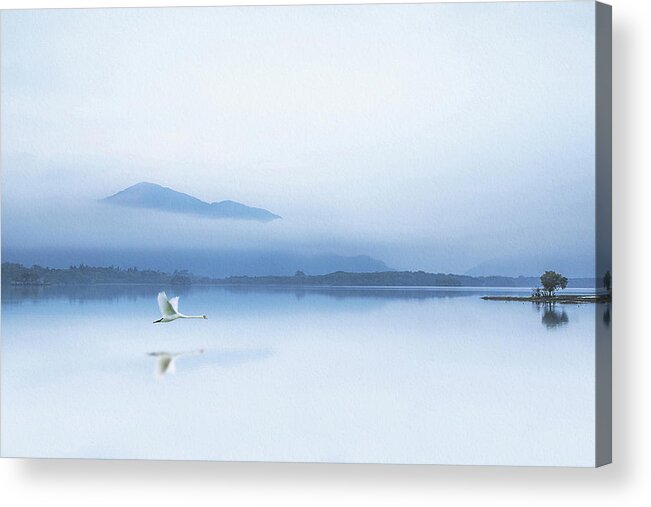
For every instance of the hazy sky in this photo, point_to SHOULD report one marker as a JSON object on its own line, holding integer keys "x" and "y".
{"x": 432, "y": 137}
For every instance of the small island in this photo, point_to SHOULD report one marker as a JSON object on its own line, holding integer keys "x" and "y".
{"x": 552, "y": 282}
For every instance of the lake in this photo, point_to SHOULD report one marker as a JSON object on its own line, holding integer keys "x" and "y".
{"x": 387, "y": 375}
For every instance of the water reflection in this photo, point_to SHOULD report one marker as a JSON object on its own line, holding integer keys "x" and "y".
{"x": 376, "y": 293}
{"x": 113, "y": 293}
{"x": 166, "y": 361}
{"x": 80, "y": 294}
{"x": 552, "y": 317}
{"x": 606, "y": 315}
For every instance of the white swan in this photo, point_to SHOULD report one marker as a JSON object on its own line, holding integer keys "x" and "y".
{"x": 170, "y": 309}
{"x": 166, "y": 361}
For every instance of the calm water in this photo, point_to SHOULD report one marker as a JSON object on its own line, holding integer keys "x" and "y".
{"x": 340, "y": 375}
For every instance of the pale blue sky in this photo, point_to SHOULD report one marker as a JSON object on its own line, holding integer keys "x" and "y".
{"x": 433, "y": 137}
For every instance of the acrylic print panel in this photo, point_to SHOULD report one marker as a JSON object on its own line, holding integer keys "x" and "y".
{"x": 360, "y": 233}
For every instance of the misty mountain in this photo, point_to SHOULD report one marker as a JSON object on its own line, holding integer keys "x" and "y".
{"x": 212, "y": 263}
{"x": 152, "y": 196}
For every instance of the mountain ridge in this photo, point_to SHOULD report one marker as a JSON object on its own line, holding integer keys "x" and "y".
{"x": 153, "y": 196}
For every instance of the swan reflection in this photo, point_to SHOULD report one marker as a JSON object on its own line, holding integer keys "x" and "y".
{"x": 166, "y": 361}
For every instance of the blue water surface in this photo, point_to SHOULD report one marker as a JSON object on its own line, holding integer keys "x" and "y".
{"x": 389, "y": 375}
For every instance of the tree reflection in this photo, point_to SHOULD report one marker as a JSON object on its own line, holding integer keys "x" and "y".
{"x": 606, "y": 315}
{"x": 553, "y": 318}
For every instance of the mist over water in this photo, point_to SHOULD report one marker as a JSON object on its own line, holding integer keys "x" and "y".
{"x": 298, "y": 375}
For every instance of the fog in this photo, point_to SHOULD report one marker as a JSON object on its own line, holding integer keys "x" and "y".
{"x": 441, "y": 137}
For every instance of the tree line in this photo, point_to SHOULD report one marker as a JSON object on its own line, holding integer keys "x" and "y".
{"x": 18, "y": 274}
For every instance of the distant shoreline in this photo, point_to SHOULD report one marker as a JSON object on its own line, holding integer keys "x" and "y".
{"x": 561, "y": 298}
{"x": 294, "y": 286}
{"x": 18, "y": 275}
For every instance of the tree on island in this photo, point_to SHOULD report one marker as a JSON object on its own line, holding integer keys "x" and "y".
{"x": 551, "y": 282}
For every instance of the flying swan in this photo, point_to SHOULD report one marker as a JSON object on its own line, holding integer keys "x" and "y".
{"x": 170, "y": 309}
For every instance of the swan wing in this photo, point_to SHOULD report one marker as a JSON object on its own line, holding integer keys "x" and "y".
{"x": 165, "y": 306}
{"x": 175, "y": 303}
